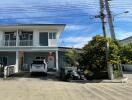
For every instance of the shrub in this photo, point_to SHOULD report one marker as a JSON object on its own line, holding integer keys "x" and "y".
{"x": 126, "y": 54}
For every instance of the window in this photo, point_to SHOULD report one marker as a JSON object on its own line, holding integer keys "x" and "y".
{"x": 26, "y": 35}
{"x": 10, "y": 36}
{"x": 7, "y": 37}
{"x": 40, "y": 58}
{"x": 30, "y": 36}
{"x": 52, "y": 35}
{"x": 3, "y": 60}
{"x": 38, "y": 62}
{"x": 43, "y": 38}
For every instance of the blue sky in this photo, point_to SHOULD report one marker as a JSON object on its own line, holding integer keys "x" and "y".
{"x": 76, "y": 14}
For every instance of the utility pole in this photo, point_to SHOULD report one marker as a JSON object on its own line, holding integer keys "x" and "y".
{"x": 102, "y": 16}
{"x": 103, "y": 20}
{"x": 110, "y": 19}
{"x": 112, "y": 32}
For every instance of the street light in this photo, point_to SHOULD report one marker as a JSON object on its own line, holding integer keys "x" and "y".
{"x": 125, "y": 12}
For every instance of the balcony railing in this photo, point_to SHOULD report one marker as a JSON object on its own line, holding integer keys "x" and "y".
{"x": 20, "y": 43}
{"x": 9, "y": 43}
{"x": 25, "y": 42}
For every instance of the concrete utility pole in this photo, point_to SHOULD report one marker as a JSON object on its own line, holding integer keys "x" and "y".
{"x": 102, "y": 16}
{"x": 110, "y": 20}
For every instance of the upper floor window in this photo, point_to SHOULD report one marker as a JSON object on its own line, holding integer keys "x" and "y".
{"x": 43, "y": 38}
{"x": 26, "y": 35}
{"x": 10, "y": 36}
{"x": 52, "y": 35}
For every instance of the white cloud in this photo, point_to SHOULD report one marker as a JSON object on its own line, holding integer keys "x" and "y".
{"x": 77, "y": 42}
{"x": 80, "y": 45}
{"x": 76, "y": 39}
{"x": 123, "y": 35}
{"x": 123, "y": 19}
{"x": 74, "y": 27}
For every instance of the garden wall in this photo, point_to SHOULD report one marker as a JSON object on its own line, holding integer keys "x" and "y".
{"x": 127, "y": 67}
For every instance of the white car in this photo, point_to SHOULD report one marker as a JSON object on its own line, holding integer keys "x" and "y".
{"x": 38, "y": 66}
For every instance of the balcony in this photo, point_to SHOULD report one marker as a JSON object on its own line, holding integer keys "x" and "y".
{"x": 20, "y": 43}
{"x": 9, "y": 43}
{"x": 25, "y": 43}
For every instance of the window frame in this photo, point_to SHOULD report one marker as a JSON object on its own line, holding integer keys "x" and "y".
{"x": 52, "y": 35}
{"x": 43, "y": 32}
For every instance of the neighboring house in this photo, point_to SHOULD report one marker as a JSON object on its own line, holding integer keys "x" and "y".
{"x": 126, "y": 41}
{"x": 21, "y": 44}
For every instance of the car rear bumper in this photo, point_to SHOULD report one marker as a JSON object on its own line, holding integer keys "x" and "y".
{"x": 38, "y": 70}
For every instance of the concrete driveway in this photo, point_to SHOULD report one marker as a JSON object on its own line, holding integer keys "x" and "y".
{"x": 37, "y": 89}
{"x": 129, "y": 75}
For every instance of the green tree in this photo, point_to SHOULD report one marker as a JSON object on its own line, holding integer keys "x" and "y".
{"x": 126, "y": 54}
{"x": 72, "y": 57}
{"x": 114, "y": 52}
{"x": 94, "y": 53}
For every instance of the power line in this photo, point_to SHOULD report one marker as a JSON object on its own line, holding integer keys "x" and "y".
{"x": 54, "y": 9}
{"x": 49, "y": 8}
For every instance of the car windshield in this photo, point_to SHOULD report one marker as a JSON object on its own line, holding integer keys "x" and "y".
{"x": 37, "y": 62}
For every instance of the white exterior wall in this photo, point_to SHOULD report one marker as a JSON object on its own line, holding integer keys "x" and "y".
{"x": 51, "y": 42}
{"x": 126, "y": 41}
{"x": 57, "y": 66}
{"x": 35, "y": 38}
{"x": 17, "y": 62}
{"x": 1, "y": 38}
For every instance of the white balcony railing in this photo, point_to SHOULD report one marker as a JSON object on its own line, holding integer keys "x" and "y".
{"x": 9, "y": 43}
{"x": 52, "y": 43}
{"x": 20, "y": 43}
{"x": 25, "y": 42}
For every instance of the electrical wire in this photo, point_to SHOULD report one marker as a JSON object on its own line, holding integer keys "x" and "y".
{"x": 71, "y": 10}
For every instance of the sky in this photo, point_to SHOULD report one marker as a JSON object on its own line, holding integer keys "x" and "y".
{"x": 78, "y": 15}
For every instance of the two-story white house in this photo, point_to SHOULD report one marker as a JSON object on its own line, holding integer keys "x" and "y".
{"x": 126, "y": 41}
{"x": 21, "y": 44}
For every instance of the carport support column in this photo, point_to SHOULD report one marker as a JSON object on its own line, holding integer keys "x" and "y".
{"x": 17, "y": 62}
{"x": 57, "y": 67}
{"x": 17, "y": 38}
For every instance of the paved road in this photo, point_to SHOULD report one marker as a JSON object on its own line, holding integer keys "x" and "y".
{"x": 36, "y": 89}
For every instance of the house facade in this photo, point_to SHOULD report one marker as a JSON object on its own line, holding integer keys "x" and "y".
{"x": 126, "y": 41}
{"x": 21, "y": 44}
